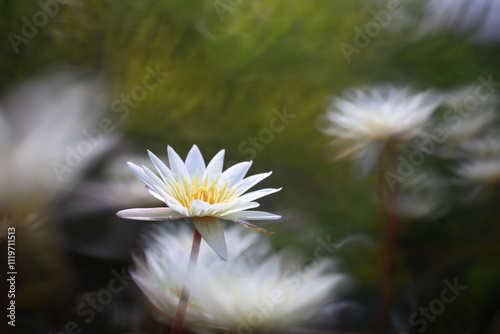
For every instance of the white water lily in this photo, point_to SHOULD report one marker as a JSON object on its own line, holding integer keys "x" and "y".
{"x": 486, "y": 147}
{"x": 483, "y": 165}
{"x": 203, "y": 193}
{"x": 45, "y": 125}
{"x": 481, "y": 171}
{"x": 260, "y": 292}
{"x": 472, "y": 116}
{"x": 365, "y": 119}
{"x": 422, "y": 195}
{"x": 477, "y": 20}
{"x": 472, "y": 126}
{"x": 466, "y": 97}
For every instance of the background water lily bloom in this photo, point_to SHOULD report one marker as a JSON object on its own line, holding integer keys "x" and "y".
{"x": 42, "y": 119}
{"x": 259, "y": 292}
{"x": 365, "y": 119}
{"x": 34, "y": 166}
{"x": 203, "y": 193}
{"x": 473, "y": 115}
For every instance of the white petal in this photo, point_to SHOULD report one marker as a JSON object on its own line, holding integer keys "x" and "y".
{"x": 139, "y": 172}
{"x": 210, "y": 229}
{"x": 250, "y": 181}
{"x": 240, "y": 207}
{"x": 178, "y": 208}
{"x": 256, "y": 194}
{"x": 155, "y": 194}
{"x": 235, "y": 174}
{"x": 368, "y": 157}
{"x": 153, "y": 184}
{"x": 199, "y": 207}
{"x": 194, "y": 162}
{"x": 214, "y": 167}
{"x": 251, "y": 215}
{"x": 162, "y": 169}
{"x": 177, "y": 165}
{"x": 172, "y": 200}
{"x": 157, "y": 185}
{"x": 217, "y": 208}
{"x": 149, "y": 214}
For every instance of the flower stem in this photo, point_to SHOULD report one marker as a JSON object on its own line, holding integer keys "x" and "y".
{"x": 390, "y": 243}
{"x": 183, "y": 299}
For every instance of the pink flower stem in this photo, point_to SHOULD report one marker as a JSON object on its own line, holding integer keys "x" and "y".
{"x": 183, "y": 300}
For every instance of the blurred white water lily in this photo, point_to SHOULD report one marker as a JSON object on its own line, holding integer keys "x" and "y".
{"x": 467, "y": 96}
{"x": 203, "y": 193}
{"x": 366, "y": 119}
{"x": 478, "y": 18}
{"x": 485, "y": 147}
{"x": 472, "y": 115}
{"x": 481, "y": 171}
{"x": 483, "y": 165}
{"x": 422, "y": 195}
{"x": 260, "y": 292}
{"x": 472, "y": 126}
{"x": 45, "y": 125}
{"x": 45, "y": 149}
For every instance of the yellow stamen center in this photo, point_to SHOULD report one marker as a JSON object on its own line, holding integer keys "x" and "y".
{"x": 185, "y": 192}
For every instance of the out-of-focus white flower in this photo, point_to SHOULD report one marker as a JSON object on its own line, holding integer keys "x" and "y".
{"x": 42, "y": 126}
{"x": 260, "y": 292}
{"x": 481, "y": 171}
{"x": 421, "y": 195}
{"x": 478, "y": 19}
{"x": 463, "y": 96}
{"x": 366, "y": 119}
{"x": 486, "y": 147}
{"x": 483, "y": 165}
{"x": 471, "y": 119}
{"x": 471, "y": 126}
{"x": 202, "y": 193}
